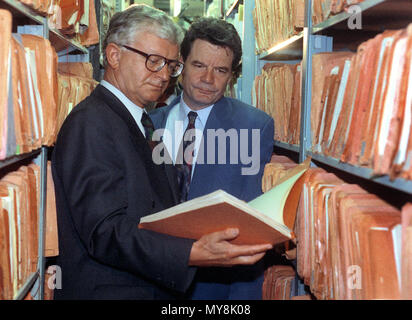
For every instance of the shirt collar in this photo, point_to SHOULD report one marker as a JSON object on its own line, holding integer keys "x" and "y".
{"x": 202, "y": 114}
{"x": 133, "y": 108}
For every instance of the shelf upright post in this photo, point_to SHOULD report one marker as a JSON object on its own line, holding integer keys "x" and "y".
{"x": 42, "y": 221}
{"x": 42, "y": 208}
{"x": 306, "y": 89}
{"x": 249, "y": 55}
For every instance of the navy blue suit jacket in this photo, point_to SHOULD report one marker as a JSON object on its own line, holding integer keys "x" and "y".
{"x": 230, "y": 114}
{"x": 105, "y": 181}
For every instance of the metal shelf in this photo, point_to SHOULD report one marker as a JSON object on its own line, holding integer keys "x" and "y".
{"x": 287, "y": 146}
{"x": 366, "y": 173}
{"x": 26, "y": 286}
{"x": 19, "y": 9}
{"x": 6, "y": 162}
{"x": 282, "y": 49}
{"x": 367, "y": 4}
{"x": 60, "y": 42}
{"x": 57, "y": 39}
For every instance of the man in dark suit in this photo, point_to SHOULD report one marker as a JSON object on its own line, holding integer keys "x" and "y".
{"x": 106, "y": 180}
{"x": 234, "y": 141}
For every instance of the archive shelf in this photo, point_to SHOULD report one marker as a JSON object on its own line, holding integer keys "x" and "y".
{"x": 285, "y": 50}
{"x": 283, "y": 145}
{"x": 293, "y": 47}
{"x": 19, "y": 10}
{"x": 367, "y": 173}
{"x": 300, "y": 46}
{"x": 14, "y": 159}
{"x": 27, "y": 286}
{"x": 363, "y": 6}
{"x": 24, "y": 15}
{"x": 61, "y": 43}
{"x": 376, "y": 17}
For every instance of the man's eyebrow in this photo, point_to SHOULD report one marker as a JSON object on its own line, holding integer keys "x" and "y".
{"x": 198, "y": 62}
{"x": 217, "y": 67}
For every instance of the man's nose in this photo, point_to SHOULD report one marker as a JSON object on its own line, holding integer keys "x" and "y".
{"x": 164, "y": 73}
{"x": 208, "y": 76}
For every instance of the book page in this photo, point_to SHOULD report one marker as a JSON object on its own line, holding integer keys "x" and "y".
{"x": 273, "y": 201}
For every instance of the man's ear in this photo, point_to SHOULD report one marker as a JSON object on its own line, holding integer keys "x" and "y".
{"x": 113, "y": 55}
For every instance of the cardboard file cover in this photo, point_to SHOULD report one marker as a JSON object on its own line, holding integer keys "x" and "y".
{"x": 266, "y": 219}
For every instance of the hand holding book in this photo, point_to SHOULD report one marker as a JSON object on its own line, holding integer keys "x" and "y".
{"x": 267, "y": 219}
{"x": 215, "y": 249}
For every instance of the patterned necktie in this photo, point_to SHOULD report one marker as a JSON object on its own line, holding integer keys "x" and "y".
{"x": 185, "y": 169}
{"x": 148, "y": 129}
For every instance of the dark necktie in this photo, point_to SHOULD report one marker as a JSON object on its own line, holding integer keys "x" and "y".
{"x": 148, "y": 129}
{"x": 185, "y": 169}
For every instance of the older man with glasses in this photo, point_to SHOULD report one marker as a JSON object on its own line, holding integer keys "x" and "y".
{"x": 105, "y": 179}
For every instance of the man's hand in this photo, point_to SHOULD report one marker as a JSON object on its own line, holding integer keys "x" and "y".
{"x": 215, "y": 250}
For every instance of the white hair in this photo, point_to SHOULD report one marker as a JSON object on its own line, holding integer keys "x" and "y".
{"x": 138, "y": 18}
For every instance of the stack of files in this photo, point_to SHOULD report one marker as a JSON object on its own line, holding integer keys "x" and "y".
{"x": 66, "y": 16}
{"x": 325, "y": 9}
{"x": 406, "y": 252}
{"x": 275, "y": 170}
{"x": 337, "y": 6}
{"x": 75, "y": 83}
{"x": 44, "y": 57}
{"x": 5, "y": 65}
{"x": 19, "y": 200}
{"x": 278, "y": 279}
{"x": 310, "y": 230}
{"x": 90, "y": 35}
{"x": 43, "y": 7}
{"x": 277, "y": 91}
{"x": 348, "y": 240}
{"x": 278, "y": 20}
{"x": 363, "y": 115}
{"x": 28, "y": 93}
{"x": 75, "y": 19}
{"x": 51, "y": 246}
{"x": 277, "y": 283}
{"x": 329, "y": 71}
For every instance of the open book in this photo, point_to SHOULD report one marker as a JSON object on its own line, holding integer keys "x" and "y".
{"x": 267, "y": 219}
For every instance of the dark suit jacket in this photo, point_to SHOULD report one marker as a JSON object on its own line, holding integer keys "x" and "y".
{"x": 105, "y": 181}
{"x": 230, "y": 114}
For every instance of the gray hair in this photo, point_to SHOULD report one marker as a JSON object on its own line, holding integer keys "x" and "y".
{"x": 139, "y": 18}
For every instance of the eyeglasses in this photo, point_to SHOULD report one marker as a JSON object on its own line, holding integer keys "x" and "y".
{"x": 155, "y": 63}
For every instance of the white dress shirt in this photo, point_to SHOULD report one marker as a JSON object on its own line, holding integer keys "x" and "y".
{"x": 134, "y": 109}
{"x": 176, "y": 124}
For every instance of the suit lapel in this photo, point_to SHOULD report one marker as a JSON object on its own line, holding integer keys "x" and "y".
{"x": 156, "y": 173}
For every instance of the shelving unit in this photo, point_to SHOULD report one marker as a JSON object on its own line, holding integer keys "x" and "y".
{"x": 290, "y": 147}
{"x": 61, "y": 43}
{"x": 9, "y": 161}
{"x": 23, "y": 15}
{"x": 26, "y": 286}
{"x": 301, "y": 45}
{"x": 20, "y": 10}
{"x": 366, "y": 173}
{"x": 376, "y": 16}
